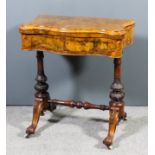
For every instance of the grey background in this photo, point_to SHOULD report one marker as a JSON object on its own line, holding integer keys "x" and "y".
{"x": 86, "y": 78}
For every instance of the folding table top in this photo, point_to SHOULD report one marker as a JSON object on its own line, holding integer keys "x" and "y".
{"x": 78, "y": 35}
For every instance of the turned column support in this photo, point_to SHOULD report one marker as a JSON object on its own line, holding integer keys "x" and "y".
{"x": 41, "y": 96}
{"x": 116, "y": 104}
{"x": 41, "y": 86}
{"x": 117, "y": 93}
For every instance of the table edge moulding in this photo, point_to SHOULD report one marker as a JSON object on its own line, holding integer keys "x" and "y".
{"x": 78, "y": 36}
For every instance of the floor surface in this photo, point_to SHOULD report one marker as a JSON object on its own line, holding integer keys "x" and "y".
{"x": 69, "y": 131}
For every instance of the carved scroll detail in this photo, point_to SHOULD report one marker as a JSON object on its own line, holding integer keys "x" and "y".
{"x": 113, "y": 121}
{"x": 37, "y": 110}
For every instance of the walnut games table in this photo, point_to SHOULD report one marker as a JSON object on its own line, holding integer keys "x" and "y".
{"x": 78, "y": 36}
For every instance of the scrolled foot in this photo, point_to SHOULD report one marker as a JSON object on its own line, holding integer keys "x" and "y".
{"x": 113, "y": 121}
{"x": 108, "y": 142}
{"x": 29, "y": 131}
{"x": 37, "y": 110}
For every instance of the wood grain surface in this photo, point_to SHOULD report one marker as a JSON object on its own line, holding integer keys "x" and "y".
{"x": 77, "y": 35}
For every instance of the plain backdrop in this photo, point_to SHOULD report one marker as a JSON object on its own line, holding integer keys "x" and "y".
{"x": 85, "y": 78}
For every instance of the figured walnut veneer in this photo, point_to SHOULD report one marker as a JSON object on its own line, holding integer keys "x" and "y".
{"x": 77, "y": 35}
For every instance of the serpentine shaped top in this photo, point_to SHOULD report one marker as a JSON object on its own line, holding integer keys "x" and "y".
{"x": 77, "y": 35}
{"x": 81, "y": 26}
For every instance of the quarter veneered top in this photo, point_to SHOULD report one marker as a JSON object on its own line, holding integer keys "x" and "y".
{"x": 77, "y": 26}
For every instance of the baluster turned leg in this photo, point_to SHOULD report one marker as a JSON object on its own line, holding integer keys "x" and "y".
{"x": 41, "y": 95}
{"x": 116, "y": 103}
